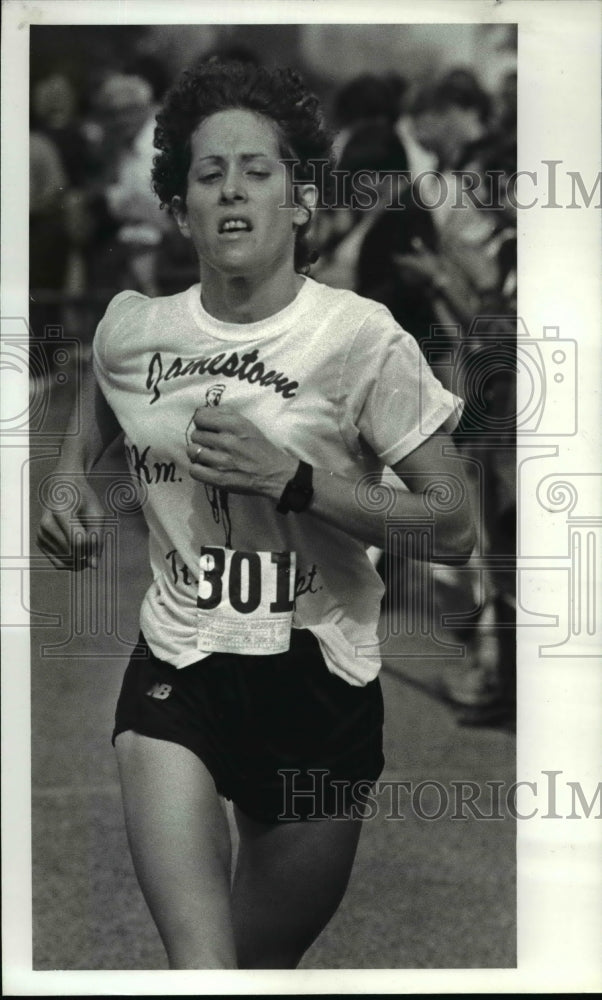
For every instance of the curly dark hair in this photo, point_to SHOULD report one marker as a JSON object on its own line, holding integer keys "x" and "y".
{"x": 221, "y": 85}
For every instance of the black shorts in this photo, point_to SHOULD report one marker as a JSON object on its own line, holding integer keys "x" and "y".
{"x": 282, "y": 737}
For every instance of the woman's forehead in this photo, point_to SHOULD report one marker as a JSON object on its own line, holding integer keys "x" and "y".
{"x": 235, "y": 132}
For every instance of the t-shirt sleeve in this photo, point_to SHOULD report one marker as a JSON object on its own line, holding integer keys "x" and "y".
{"x": 391, "y": 398}
{"x": 105, "y": 338}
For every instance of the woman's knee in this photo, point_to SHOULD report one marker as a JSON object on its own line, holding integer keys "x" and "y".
{"x": 199, "y": 944}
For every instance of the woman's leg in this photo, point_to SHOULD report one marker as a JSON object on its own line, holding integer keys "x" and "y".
{"x": 289, "y": 881}
{"x": 180, "y": 843}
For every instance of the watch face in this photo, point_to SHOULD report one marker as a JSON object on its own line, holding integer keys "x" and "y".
{"x": 297, "y": 494}
{"x": 298, "y": 497}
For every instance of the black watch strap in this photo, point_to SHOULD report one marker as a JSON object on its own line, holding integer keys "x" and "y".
{"x": 298, "y": 492}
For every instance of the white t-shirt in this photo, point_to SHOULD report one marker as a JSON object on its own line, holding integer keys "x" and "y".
{"x": 332, "y": 379}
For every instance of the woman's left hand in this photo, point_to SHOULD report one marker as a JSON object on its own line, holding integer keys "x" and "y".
{"x": 230, "y": 452}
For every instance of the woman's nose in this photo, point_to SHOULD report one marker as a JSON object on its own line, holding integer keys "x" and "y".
{"x": 233, "y": 188}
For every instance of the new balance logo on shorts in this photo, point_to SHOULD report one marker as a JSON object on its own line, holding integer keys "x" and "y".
{"x": 160, "y": 691}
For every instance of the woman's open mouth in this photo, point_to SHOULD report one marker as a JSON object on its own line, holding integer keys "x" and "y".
{"x": 234, "y": 226}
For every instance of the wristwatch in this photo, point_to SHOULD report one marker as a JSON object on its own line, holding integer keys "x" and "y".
{"x": 298, "y": 492}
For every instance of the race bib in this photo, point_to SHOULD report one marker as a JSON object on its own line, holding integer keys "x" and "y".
{"x": 245, "y": 601}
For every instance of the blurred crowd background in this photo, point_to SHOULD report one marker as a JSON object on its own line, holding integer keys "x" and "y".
{"x": 434, "y": 100}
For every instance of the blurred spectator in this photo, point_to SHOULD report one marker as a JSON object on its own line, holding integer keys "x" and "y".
{"x": 444, "y": 260}
{"x": 153, "y": 70}
{"x": 420, "y": 159}
{"x": 366, "y": 100}
{"x": 450, "y": 115}
{"x": 481, "y": 242}
{"x": 370, "y": 168}
{"x": 128, "y": 223}
{"x": 505, "y": 104}
{"x": 47, "y": 235}
{"x": 429, "y": 262}
{"x": 496, "y": 157}
{"x": 48, "y": 239}
{"x": 55, "y": 113}
{"x": 487, "y": 693}
{"x": 47, "y": 178}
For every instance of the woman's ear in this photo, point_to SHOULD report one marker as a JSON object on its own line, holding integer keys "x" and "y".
{"x": 306, "y": 203}
{"x": 178, "y": 209}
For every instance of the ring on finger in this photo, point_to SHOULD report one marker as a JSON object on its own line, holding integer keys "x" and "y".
{"x": 198, "y": 453}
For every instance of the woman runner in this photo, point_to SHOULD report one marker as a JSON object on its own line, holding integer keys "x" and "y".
{"x": 253, "y": 405}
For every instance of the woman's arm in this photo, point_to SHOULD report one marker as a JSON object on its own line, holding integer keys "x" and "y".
{"x": 92, "y": 428}
{"x": 231, "y": 453}
{"x": 437, "y": 495}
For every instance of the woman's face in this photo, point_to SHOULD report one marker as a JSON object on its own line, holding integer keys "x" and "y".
{"x": 239, "y": 212}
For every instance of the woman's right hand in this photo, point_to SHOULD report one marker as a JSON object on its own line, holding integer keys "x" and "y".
{"x": 73, "y": 540}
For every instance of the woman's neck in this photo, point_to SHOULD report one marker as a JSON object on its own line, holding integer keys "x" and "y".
{"x": 247, "y": 299}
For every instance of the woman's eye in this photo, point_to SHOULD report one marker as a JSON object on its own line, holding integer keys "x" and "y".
{"x": 259, "y": 173}
{"x": 207, "y": 178}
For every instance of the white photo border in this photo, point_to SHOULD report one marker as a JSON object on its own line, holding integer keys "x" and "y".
{"x": 559, "y": 697}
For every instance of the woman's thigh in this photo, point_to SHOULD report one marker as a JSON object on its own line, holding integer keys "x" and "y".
{"x": 289, "y": 881}
{"x": 180, "y": 844}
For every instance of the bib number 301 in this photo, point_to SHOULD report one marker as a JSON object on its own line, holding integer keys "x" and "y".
{"x": 245, "y": 601}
